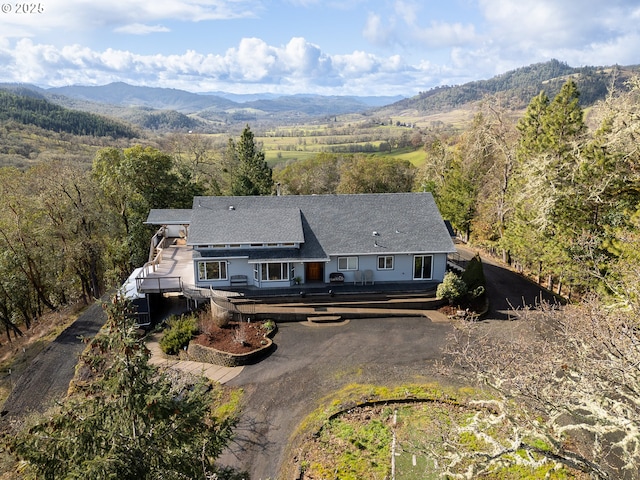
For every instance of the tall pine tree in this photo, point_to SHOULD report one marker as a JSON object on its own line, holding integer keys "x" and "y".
{"x": 547, "y": 219}
{"x": 253, "y": 176}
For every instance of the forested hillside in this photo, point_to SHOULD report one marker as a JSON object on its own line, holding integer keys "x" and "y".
{"x": 518, "y": 86}
{"x": 120, "y": 93}
{"x": 30, "y": 110}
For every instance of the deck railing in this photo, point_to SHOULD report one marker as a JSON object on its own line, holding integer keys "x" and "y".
{"x": 158, "y": 243}
{"x": 146, "y": 284}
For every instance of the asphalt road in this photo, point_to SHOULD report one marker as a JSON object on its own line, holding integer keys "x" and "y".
{"x": 506, "y": 289}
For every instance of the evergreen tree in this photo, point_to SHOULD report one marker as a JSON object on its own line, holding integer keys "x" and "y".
{"x": 253, "y": 176}
{"x": 531, "y": 126}
{"x": 457, "y": 197}
{"x": 129, "y": 421}
{"x": 548, "y": 215}
{"x": 136, "y": 180}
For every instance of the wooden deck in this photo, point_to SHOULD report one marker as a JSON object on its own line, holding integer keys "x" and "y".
{"x": 174, "y": 271}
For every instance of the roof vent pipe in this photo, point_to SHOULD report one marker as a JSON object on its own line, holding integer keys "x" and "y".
{"x": 231, "y": 207}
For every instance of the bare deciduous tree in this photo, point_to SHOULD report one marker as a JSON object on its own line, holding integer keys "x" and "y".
{"x": 566, "y": 383}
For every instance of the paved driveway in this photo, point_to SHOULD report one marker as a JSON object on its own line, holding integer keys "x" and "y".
{"x": 313, "y": 361}
{"x": 310, "y": 362}
{"x": 506, "y": 289}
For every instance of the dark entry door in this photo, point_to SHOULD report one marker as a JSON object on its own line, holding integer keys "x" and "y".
{"x": 314, "y": 272}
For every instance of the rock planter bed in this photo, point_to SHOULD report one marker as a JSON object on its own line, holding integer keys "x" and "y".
{"x": 234, "y": 345}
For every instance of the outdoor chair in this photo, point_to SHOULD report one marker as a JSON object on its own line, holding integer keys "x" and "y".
{"x": 357, "y": 277}
{"x": 368, "y": 277}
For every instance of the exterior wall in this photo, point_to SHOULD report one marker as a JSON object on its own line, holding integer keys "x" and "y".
{"x": 297, "y": 270}
{"x": 235, "y": 266}
{"x": 402, "y": 271}
{"x": 241, "y": 266}
{"x": 439, "y": 266}
{"x": 402, "y": 268}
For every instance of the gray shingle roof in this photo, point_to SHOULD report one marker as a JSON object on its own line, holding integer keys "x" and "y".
{"x": 244, "y": 224}
{"x": 328, "y": 224}
{"x": 169, "y": 216}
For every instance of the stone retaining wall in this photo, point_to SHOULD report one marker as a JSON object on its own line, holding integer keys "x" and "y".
{"x": 200, "y": 353}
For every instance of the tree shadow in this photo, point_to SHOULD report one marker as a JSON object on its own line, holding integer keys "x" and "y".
{"x": 509, "y": 292}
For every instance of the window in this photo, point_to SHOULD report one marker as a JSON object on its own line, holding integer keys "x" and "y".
{"x": 275, "y": 271}
{"x": 214, "y": 270}
{"x": 422, "y": 267}
{"x": 385, "y": 262}
{"x": 347, "y": 263}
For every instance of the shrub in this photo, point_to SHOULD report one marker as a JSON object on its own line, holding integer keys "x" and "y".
{"x": 240, "y": 334}
{"x": 473, "y": 275}
{"x": 221, "y": 318}
{"x": 268, "y": 326}
{"x": 178, "y": 333}
{"x": 452, "y": 288}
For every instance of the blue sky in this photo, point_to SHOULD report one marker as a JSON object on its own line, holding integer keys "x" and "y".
{"x": 347, "y": 47}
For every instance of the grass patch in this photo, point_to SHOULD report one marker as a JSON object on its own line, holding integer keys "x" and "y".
{"x": 350, "y": 436}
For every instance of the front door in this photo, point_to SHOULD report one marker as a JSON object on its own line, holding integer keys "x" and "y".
{"x": 314, "y": 272}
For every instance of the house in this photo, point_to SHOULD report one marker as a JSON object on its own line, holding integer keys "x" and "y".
{"x": 279, "y": 241}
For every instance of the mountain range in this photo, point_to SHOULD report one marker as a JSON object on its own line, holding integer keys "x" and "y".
{"x": 167, "y": 109}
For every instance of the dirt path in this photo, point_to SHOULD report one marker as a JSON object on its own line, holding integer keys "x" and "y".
{"x": 47, "y": 378}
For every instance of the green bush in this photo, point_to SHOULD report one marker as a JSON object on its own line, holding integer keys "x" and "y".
{"x": 268, "y": 326}
{"x": 178, "y": 333}
{"x": 473, "y": 275}
{"x": 452, "y": 288}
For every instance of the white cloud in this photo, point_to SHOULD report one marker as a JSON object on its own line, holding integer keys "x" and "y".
{"x": 356, "y": 64}
{"x": 376, "y": 32}
{"x": 413, "y": 47}
{"x": 441, "y": 34}
{"x": 558, "y": 24}
{"x": 141, "y": 29}
{"x": 403, "y": 27}
{"x": 297, "y": 67}
{"x": 302, "y": 58}
{"x": 251, "y": 61}
{"x": 81, "y": 15}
